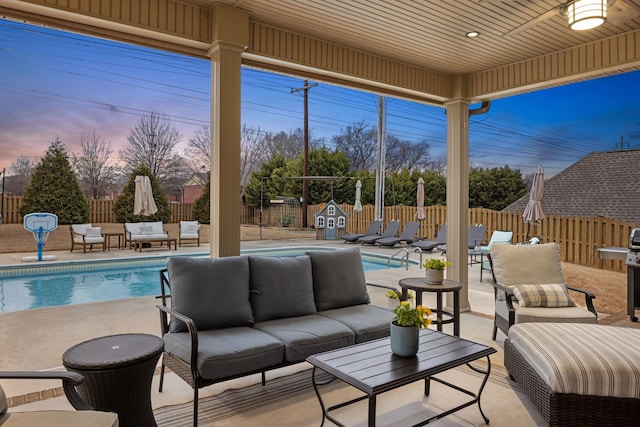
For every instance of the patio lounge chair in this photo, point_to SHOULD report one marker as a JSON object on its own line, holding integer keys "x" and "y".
{"x": 390, "y": 231}
{"x": 408, "y": 235}
{"x": 374, "y": 227}
{"x": 475, "y": 237}
{"x": 86, "y": 235}
{"x": 529, "y": 286}
{"x": 85, "y": 416}
{"x": 429, "y": 245}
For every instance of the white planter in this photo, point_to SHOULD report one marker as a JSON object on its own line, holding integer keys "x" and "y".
{"x": 435, "y": 277}
{"x": 392, "y": 303}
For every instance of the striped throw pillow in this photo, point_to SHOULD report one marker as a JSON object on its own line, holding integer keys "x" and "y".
{"x": 543, "y": 295}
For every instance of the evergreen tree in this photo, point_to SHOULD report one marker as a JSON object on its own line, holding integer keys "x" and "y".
{"x": 123, "y": 208}
{"x": 55, "y": 189}
{"x": 202, "y": 206}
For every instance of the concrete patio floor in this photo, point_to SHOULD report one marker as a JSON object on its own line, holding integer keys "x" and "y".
{"x": 36, "y": 339}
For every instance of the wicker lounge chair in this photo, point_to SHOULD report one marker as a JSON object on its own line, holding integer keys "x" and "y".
{"x": 390, "y": 231}
{"x": 429, "y": 245}
{"x": 408, "y": 235}
{"x": 374, "y": 227}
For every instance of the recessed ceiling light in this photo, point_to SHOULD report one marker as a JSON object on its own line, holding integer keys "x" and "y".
{"x": 472, "y": 34}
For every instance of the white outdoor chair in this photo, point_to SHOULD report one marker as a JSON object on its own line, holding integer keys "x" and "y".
{"x": 86, "y": 235}
{"x": 189, "y": 230}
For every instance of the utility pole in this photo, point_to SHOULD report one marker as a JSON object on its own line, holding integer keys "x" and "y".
{"x": 622, "y": 143}
{"x": 305, "y": 171}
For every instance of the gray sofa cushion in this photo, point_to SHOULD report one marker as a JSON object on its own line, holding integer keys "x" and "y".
{"x": 3, "y": 402}
{"x": 367, "y": 321}
{"x": 281, "y": 287}
{"x": 227, "y": 352}
{"x": 306, "y": 335}
{"x": 214, "y": 292}
{"x": 338, "y": 279}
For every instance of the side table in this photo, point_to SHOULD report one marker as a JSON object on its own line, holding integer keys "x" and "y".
{"x": 107, "y": 239}
{"x": 118, "y": 370}
{"x": 420, "y": 285}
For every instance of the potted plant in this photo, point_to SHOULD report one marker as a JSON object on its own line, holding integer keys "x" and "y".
{"x": 435, "y": 270}
{"x": 393, "y": 300}
{"x": 405, "y": 328}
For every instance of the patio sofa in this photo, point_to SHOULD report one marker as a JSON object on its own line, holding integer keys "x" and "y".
{"x": 143, "y": 231}
{"x": 241, "y": 315}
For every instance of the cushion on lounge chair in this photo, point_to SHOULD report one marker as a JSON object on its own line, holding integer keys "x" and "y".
{"x": 338, "y": 279}
{"x": 281, "y": 287}
{"x": 94, "y": 232}
{"x": 219, "y": 303}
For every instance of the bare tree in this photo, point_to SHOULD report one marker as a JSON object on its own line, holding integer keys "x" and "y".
{"x": 359, "y": 142}
{"x": 252, "y": 142}
{"x": 19, "y": 175}
{"x": 151, "y": 143}
{"x": 199, "y": 150}
{"x": 406, "y": 155}
{"x": 92, "y": 166}
{"x": 289, "y": 145}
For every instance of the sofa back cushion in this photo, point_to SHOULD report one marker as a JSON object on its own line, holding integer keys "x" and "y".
{"x": 214, "y": 292}
{"x": 3, "y": 402}
{"x": 281, "y": 287}
{"x": 338, "y": 279}
{"x": 527, "y": 264}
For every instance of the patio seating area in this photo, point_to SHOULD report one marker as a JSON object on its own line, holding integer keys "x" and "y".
{"x": 37, "y": 349}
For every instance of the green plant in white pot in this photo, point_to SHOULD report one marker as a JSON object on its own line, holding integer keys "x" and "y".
{"x": 435, "y": 270}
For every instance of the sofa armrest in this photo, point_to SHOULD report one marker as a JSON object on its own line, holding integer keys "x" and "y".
{"x": 588, "y": 298}
{"x": 193, "y": 334}
{"x": 69, "y": 381}
{"x": 396, "y": 290}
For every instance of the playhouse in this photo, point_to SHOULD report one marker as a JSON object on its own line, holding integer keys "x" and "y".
{"x": 331, "y": 222}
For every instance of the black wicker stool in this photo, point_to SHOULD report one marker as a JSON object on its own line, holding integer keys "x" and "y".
{"x": 118, "y": 370}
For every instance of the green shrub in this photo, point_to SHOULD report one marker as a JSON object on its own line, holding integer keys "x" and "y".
{"x": 202, "y": 206}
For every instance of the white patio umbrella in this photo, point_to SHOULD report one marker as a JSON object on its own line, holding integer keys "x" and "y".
{"x": 420, "y": 200}
{"x": 533, "y": 213}
{"x": 357, "y": 206}
{"x": 143, "y": 203}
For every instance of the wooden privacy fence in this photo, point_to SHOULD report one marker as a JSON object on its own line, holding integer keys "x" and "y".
{"x": 578, "y": 237}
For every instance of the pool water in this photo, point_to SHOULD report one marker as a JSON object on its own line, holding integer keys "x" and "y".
{"x": 79, "y": 283}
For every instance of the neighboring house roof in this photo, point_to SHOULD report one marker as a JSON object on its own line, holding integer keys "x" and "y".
{"x": 199, "y": 178}
{"x": 600, "y": 184}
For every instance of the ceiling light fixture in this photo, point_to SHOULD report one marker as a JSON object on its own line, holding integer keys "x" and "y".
{"x": 586, "y": 14}
{"x": 472, "y": 34}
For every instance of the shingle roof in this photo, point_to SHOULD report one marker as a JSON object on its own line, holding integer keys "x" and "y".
{"x": 600, "y": 184}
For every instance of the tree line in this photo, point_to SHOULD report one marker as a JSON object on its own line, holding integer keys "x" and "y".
{"x": 271, "y": 166}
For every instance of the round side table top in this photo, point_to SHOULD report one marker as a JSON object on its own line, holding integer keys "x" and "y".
{"x": 420, "y": 284}
{"x": 113, "y": 351}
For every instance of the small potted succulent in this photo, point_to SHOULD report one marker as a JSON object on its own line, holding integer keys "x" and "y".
{"x": 393, "y": 301}
{"x": 435, "y": 270}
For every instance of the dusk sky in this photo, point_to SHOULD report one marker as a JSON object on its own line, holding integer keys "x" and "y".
{"x": 62, "y": 84}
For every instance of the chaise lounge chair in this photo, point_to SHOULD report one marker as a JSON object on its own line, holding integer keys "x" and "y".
{"x": 374, "y": 227}
{"x": 389, "y": 232}
{"x": 408, "y": 235}
{"x": 429, "y": 245}
{"x": 475, "y": 237}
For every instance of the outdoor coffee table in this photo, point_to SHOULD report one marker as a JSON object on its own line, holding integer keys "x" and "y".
{"x": 139, "y": 243}
{"x": 372, "y": 368}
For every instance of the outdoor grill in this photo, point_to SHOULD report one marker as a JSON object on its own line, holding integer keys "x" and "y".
{"x": 631, "y": 258}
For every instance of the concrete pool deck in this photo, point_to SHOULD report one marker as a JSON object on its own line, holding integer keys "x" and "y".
{"x": 36, "y": 339}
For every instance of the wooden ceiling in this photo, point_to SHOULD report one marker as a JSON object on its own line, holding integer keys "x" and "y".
{"x": 432, "y": 34}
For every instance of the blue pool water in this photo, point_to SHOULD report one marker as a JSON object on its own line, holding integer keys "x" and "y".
{"x": 82, "y": 282}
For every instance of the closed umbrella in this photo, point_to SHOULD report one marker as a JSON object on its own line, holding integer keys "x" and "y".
{"x": 420, "y": 200}
{"x": 143, "y": 203}
{"x": 357, "y": 206}
{"x": 533, "y": 213}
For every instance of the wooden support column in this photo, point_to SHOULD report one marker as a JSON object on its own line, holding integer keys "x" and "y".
{"x": 230, "y": 38}
{"x": 458, "y": 192}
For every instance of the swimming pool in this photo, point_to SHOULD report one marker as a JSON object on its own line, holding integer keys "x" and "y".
{"x": 55, "y": 284}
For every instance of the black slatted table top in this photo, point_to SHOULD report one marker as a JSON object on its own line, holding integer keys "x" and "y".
{"x": 372, "y": 368}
